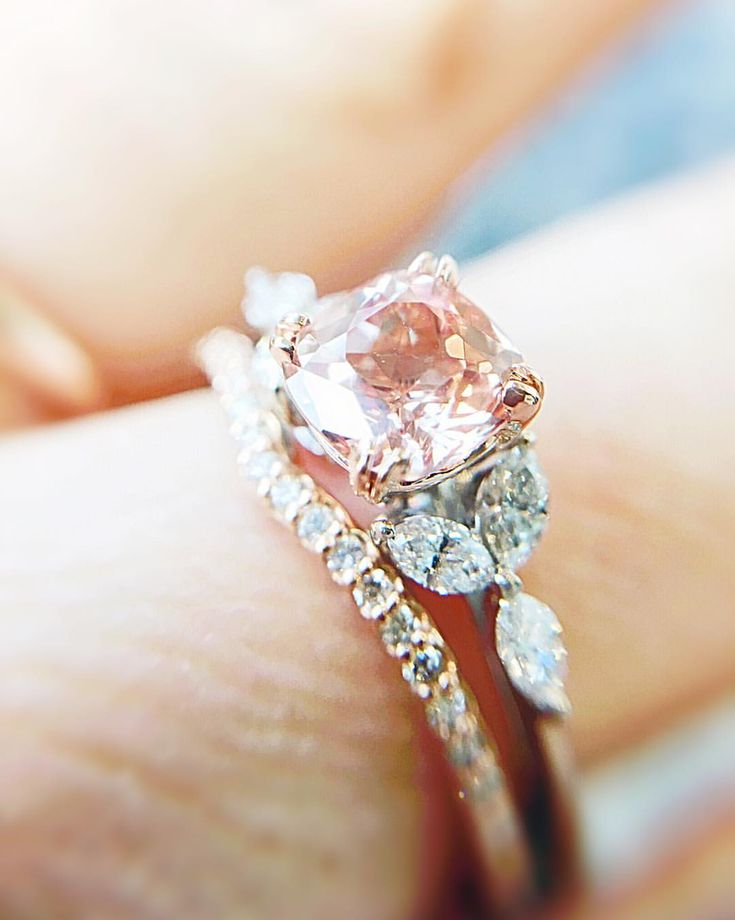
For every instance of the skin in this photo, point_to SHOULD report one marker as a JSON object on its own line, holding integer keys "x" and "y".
{"x": 185, "y": 731}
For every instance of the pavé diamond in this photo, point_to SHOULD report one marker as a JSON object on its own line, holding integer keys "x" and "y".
{"x": 268, "y": 296}
{"x": 426, "y": 660}
{"x": 376, "y": 592}
{"x": 265, "y": 371}
{"x": 467, "y": 745}
{"x": 397, "y": 628}
{"x": 443, "y": 712}
{"x": 256, "y": 435}
{"x": 404, "y": 369}
{"x": 440, "y": 554}
{"x": 512, "y": 506}
{"x": 242, "y": 406}
{"x": 318, "y": 525}
{"x": 260, "y": 466}
{"x": 288, "y": 493}
{"x": 348, "y": 558}
{"x": 529, "y": 643}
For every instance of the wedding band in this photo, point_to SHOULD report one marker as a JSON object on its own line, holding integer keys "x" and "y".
{"x": 408, "y": 387}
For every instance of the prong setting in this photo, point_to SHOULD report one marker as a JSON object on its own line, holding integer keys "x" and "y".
{"x": 381, "y": 530}
{"x": 373, "y": 482}
{"x": 284, "y": 338}
{"x": 448, "y": 270}
{"x": 522, "y": 393}
{"x": 424, "y": 262}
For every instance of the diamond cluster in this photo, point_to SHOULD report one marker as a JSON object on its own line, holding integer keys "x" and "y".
{"x": 352, "y": 559}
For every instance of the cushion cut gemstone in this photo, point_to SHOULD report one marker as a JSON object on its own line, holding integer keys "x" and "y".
{"x": 402, "y": 370}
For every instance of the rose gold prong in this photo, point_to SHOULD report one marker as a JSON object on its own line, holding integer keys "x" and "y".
{"x": 371, "y": 483}
{"x": 283, "y": 341}
{"x": 424, "y": 262}
{"x": 448, "y": 270}
{"x": 522, "y": 394}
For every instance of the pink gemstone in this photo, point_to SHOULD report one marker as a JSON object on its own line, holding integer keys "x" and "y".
{"x": 403, "y": 369}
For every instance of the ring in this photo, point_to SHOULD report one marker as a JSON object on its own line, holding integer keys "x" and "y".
{"x": 407, "y": 390}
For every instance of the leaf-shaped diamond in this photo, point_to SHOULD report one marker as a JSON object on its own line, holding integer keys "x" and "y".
{"x": 529, "y": 643}
{"x": 440, "y": 554}
{"x": 512, "y": 506}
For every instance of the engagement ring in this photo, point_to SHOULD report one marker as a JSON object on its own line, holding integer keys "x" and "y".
{"x": 410, "y": 392}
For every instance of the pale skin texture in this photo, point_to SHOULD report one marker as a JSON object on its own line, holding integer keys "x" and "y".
{"x": 187, "y": 732}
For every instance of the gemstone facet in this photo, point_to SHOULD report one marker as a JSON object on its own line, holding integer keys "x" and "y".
{"x": 405, "y": 373}
{"x": 376, "y": 592}
{"x": 440, "y": 554}
{"x": 512, "y": 506}
{"x": 288, "y": 493}
{"x": 348, "y": 558}
{"x": 318, "y": 524}
{"x": 529, "y": 643}
{"x": 397, "y": 628}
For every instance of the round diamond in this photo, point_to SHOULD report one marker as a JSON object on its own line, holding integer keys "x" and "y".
{"x": 376, "y": 592}
{"x": 443, "y": 712}
{"x": 404, "y": 368}
{"x": 426, "y": 660}
{"x": 264, "y": 370}
{"x": 397, "y": 629}
{"x": 268, "y": 296}
{"x": 529, "y": 643}
{"x": 254, "y": 436}
{"x": 467, "y": 745}
{"x": 348, "y": 558}
{"x": 260, "y": 466}
{"x": 288, "y": 493}
{"x": 242, "y": 406}
{"x": 512, "y": 506}
{"x": 318, "y": 525}
{"x": 440, "y": 554}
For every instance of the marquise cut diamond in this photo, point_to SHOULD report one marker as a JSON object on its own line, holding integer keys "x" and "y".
{"x": 440, "y": 554}
{"x": 512, "y": 506}
{"x": 529, "y": 643}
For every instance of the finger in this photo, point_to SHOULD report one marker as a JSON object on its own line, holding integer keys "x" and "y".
{"x": 43, "y": 372}
{"x": 243, "y": 136}
{"x": 180, "y": 732}
{"x": 627, "y": 313}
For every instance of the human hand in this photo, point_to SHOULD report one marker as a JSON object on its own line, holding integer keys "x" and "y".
{"x": 188, "y": 735}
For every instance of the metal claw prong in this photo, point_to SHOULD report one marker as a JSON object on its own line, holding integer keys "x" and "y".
{"x": 448, "y": 270}
{"x": 522, "y": 393}
{"x": 424, "y": 262}
{"x": 381, "y": 530}
{"x": 369, "y": 483}
{"x": 283, "y": 341}
{"x": 508, "y": 583}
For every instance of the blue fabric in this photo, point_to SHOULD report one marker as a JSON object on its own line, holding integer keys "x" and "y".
{"x": 665, "y": 102}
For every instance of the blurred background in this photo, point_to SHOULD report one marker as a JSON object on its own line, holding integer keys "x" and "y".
{"x": 661, "y": 100}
